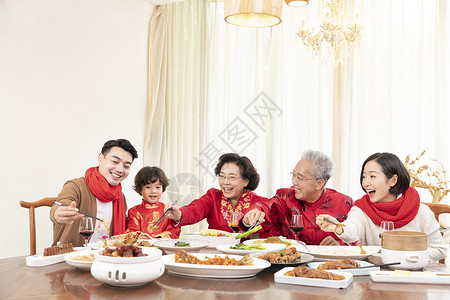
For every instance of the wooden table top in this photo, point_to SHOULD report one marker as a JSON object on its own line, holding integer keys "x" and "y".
{"x": 61, "y": 281}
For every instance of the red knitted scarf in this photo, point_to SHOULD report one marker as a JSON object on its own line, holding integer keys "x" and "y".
{"x": 106, "y": 193}
{"x": 401, "y": 211}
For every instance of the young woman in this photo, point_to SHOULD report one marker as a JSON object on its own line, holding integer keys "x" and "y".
{"x": 388, "y": 198}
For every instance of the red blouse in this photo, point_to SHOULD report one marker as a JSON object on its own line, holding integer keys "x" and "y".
{"x": 142, "y": 217}
{"x": 216, "y": 208}
{"x": 284, "y": 204}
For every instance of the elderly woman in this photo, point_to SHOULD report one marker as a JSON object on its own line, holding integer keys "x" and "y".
{"x": 237, "y": 179}
{"x": 307, "y": 197}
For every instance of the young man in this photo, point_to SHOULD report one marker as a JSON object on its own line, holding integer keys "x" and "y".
{"x": 98, "y": 194}
{"x": 307, "y": 197}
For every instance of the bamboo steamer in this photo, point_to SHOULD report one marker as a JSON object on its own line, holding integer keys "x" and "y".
{"x": 404, "y": 240}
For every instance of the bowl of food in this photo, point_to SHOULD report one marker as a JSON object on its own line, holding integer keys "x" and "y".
{"x": 81, "y": 259}
{"x": 127, "y": 265}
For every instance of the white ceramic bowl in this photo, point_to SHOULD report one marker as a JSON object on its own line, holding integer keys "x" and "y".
{"x": 409, "y": 260}
{"x": 168, "y": 245}
{"x": 128, "y": 271}
{"x": 83, "y": 265}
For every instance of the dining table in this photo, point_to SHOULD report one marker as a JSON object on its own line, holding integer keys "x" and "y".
{"x": 62, "y": 281}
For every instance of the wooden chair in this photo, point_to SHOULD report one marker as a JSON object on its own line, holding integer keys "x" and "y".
{"x": 31, "y": 206}
{"x": 438, "y": 209}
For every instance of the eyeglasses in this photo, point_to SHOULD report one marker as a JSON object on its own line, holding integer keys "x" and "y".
{"x": 300, "y": 177}
{"x": 231, "y": 178}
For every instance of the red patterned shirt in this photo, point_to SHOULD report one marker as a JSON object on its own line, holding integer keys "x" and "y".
{"x": 142, "y": 217}
{"x": 284, "y": 204}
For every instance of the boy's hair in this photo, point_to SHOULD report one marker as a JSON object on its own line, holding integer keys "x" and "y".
{"x": 121, "y": 143}
{"x": 148, "y": 175}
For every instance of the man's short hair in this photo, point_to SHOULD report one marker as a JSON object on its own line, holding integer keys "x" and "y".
{"x": 122, "y": 143}
{"x": 323, "y": 166}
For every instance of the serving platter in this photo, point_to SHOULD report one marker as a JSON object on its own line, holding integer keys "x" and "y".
{"x": 410, "y": 277}
{"x": 215, "y": 240}
{"x": 214, "y": 271}
{"x": 267, "y": 248}
{"x": 83, "y": 265}
{"x": 168, "y": 245}
{"x": 344, "y": 283}
{"x": 355, "y": 272}
{"x": 287, "y": 242}
{"x": 339, "y": 252}
{"x": 39, "y": 260}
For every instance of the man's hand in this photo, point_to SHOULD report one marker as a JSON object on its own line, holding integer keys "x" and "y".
{"x": 67, "y": 214}
{"x": 329, "y": 241}
{"x": 252, "y": 216}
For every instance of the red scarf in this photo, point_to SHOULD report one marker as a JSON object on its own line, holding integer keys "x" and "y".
{"x": 401, "y": 211}
{"x": 107, "y": 193}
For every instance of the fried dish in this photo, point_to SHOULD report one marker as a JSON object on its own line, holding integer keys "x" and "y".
{"x": 313, "y": 273}
{"x": 58, "y": 249}
{"x": 338, "y": 264}
{"x": 286, "y": 256}
{"x": 274, "y": 240}
{"x": 182, "y": 256}
{"x": 128, "y": 238}
{"x": 89, "y": 257}
{"x": 124, "y": 251}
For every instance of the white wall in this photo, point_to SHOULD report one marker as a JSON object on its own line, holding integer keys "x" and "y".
{"x": 72, "y": 75}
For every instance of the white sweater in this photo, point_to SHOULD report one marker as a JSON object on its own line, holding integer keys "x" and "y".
{"x": 359, "y": 227}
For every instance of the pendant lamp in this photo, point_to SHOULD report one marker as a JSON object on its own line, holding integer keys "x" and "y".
{"x": 253, "y": 13}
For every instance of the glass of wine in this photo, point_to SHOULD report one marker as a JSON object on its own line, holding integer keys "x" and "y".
{"x": 296, "y": 224}
{"x": 234, "y": 221}
{"x": 86, "y": 229}
{"x": 386, "y": 226}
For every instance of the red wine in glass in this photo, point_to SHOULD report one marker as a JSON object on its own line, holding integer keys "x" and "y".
{"x": 86, "y": 229}
{"x": 296, "y": 224}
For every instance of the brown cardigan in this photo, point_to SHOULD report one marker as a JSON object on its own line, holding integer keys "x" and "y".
{"x": 78, "y": 191}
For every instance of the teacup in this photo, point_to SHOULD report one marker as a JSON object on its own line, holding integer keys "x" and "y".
{"x": 407, "y": 247}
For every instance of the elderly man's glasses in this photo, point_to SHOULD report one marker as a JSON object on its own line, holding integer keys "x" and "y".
{"x": 230, "y": 178}
{"x": 300, "y": 177}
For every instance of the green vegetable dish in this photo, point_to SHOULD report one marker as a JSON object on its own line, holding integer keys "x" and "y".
{"x": 182, "y": 244}
{"x": 247, "y": 247}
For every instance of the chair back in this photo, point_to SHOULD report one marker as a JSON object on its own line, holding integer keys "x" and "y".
{"x": 31, "y": 206}
{"x": 438, "y": 209}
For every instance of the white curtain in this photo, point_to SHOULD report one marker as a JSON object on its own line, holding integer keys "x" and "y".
{"x": 257, "y": 92}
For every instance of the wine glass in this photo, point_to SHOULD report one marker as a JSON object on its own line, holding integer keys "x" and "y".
{"x": 296, "y": 224}
{"x": 86, "y": 229}
{"x": 234, "y": 221}
{"x": 386, "y": 226}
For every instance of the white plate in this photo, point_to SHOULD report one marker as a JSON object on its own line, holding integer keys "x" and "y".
{"x": 355, "y": 272}
{"x": 39, "y": 260}
{"x": 168, "y": 245}
{"x": 268, "y": 248}
{"x": 259, "y": 241}
{"x": 340, "y": 252}
{"x": 83, "y": 265}
{"x": 214, "y": 271}
{"x": 215, "y": 240}
{"x": 338, "y": 284}
{"x": 415, "y": 277}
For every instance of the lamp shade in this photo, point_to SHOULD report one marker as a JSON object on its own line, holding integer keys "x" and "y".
{"x": 253, "y": 13}
{"x": 297, "y": 2}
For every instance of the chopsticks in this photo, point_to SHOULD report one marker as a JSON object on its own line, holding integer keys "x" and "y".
{"x": 337, "y": 224}
{"x": 87, "y": 215}
{"x": 167, "y": 212}
{"x": 381, "y": 265}
{"x": 254, "y": 225}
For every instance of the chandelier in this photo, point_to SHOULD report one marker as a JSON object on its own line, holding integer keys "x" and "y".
{"x": 331, "y": 40}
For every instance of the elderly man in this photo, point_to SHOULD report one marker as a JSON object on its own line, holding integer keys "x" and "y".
{"x": 307, "y": 197}
{"x": 98, "y": 193}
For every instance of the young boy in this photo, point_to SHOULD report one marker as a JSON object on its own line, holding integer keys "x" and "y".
{"x": 150, "y": 183}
